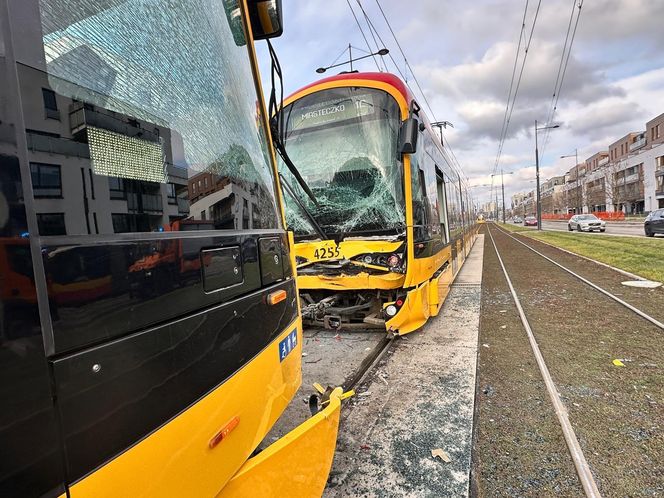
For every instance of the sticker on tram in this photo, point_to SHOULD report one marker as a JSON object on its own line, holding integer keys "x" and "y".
{"x": 287, "y": 344}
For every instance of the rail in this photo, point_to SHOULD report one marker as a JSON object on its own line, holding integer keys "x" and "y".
{"x": 579, "y": 459}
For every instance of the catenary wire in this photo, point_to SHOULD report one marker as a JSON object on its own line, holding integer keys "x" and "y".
{"x": 363, "y": 36}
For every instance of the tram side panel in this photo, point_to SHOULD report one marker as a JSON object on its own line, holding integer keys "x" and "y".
{"x": 149, "y": 328}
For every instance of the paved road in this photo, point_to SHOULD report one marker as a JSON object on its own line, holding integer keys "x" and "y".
{"x": 612, "y": 228}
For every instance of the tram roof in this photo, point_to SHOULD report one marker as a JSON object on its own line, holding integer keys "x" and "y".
{"x": 387, "y": 78}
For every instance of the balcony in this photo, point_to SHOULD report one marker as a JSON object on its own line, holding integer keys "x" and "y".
{"x": 634, "y": 177}
{"x": 57, "y": 145}
{"x": 603, "y": 162}
{"x": 637, "y": 144}
{"x": 83, "y": 115}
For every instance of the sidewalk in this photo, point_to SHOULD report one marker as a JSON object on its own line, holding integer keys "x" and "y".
{"x": 419, "y": 399}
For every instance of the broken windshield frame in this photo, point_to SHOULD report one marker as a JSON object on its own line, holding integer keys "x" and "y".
{"x": 344, "y": 142}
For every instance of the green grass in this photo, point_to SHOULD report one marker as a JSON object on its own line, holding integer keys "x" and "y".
{"x": 641, "y": 256}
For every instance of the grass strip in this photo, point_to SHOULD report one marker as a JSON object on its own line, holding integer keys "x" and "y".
{"x": 643, "y": 257}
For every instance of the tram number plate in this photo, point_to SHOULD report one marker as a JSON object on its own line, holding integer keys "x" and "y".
{"x": 327, "y": 252}
{"x": 287, "y": 344}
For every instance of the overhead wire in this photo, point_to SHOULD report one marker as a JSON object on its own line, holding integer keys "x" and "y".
{"x": 359, "y": 26}
{"x": 557, "y": 92}
{"x": 518, "y": 83}
{"x": 509, "y": 93}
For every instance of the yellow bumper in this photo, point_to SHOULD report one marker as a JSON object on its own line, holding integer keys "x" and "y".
{"x": 361, "y": 281}
{"x": 297, "y": 465}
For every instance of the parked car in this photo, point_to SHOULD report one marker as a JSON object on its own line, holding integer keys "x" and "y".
{"x": 530, "y": 221}
{"x": 517, "y": 220}
{"x": 586, "y": 222}
{"x": 654, "y": 223}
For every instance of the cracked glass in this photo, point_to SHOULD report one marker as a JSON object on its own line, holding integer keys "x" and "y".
{"x": 344, "y": 143}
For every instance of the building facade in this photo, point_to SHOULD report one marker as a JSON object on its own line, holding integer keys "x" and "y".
{"x": 627, "y": 177}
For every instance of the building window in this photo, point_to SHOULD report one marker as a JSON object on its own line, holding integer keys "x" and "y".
{"x": 120, "y": 223}
{"x": 205, "y": 181}
{"x": 659, "y": 163}
{"x": 656, "y": 132}
{"x": 170, "y": 191}
{"x": 50, "y": 104}
{"x": 46, "y": 180}
{"x": 51, "y": 224}
{"x": 117, "y": 187}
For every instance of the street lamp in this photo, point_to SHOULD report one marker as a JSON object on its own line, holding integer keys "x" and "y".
{"x": 576, "y": 158}
{"x": 381, "y": 52}
{"x": 539, "y": 207}
{"x": 502, "y": 185}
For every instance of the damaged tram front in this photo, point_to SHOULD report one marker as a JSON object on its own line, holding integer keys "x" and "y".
{"x": 370, "y": 219}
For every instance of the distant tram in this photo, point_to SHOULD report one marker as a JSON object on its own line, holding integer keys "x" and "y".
{"x": 384, "y": 220}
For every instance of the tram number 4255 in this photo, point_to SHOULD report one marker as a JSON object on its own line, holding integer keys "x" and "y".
{"x": 327, "y": 252}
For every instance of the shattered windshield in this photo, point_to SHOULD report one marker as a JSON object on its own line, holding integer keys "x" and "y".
{"x": 344, "y": 143}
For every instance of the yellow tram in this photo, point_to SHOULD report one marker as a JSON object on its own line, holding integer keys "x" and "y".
{"x": 382, "y": 218}
{"x": 150, "y": 335}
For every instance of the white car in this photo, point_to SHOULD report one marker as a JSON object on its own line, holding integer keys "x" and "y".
{"x": 586, "y": 223}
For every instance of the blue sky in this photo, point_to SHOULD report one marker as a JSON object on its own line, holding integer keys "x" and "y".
{"x": 462, "y": 54}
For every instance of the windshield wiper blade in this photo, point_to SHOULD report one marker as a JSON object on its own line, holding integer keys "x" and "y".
{"x": 293, "y": 169}
{"x": 302, "y": 207}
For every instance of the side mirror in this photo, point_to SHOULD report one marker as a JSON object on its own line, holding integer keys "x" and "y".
{"x": 408, "y": 133}
{"x": 266, "y": 19}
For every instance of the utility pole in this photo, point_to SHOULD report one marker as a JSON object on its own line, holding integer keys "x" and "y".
{"x": 539, "y": 207}
{"x": 578, "y": 203}
{"x": 502, "y": 185}
{"x": 537, "y": 175}
{"x": 577, "y": 207}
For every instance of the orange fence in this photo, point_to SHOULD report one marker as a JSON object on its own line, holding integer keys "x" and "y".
{"x": 602, "y": 215}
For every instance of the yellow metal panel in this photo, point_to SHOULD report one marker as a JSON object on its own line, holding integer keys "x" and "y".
{"x": 351, "y": 282}
{"x": 414, "y": 313}
{"x": 422, "y": 269}
{"x": 347, "y": 248}
{"x": 295, "y": 466}
{"x": 176, "y": 460}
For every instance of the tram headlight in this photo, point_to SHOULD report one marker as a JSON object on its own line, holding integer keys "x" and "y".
{"x": 391, "y": 310}
{"x": 367, "y": 259}
{"x": 393, "y": 261}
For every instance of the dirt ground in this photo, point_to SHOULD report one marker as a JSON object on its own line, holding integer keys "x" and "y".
{"x": 616, "y": 411}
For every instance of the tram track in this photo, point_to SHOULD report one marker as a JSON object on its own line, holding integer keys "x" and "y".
{"x": 634, "y": 309}
{"x": 575, "y": 358}
{"x": 580, "y": 463}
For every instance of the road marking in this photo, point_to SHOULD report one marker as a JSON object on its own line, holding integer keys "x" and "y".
{"x": 579, "y": 459}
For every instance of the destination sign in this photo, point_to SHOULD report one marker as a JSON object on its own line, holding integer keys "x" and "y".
{"x": 321, "y": 113}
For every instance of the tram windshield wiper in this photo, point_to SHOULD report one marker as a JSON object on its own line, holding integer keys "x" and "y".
{"x": 303, "y": 208}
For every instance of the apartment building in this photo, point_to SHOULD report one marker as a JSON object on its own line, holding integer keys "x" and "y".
{"x": 627, "y": 177}
{"x": 552, "y": 195}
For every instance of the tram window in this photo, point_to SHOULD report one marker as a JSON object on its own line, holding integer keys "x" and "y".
{"x": 146, "y": 113}
{"x": 344, "y": 142}
{"x": 442, "y": 209}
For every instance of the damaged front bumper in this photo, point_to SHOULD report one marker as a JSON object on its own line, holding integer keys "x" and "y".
{"x": 296, "y": 465}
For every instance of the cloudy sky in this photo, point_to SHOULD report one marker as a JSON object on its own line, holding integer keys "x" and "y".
{"x": 463, "y": 53}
